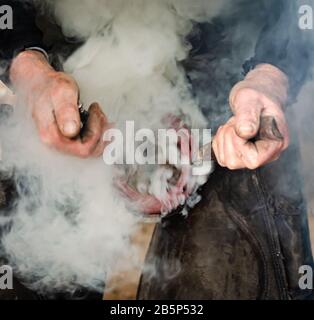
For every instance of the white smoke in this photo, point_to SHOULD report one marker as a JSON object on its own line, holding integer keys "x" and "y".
{"x": 129, "y": 62}
{"x": 70, "y": 225}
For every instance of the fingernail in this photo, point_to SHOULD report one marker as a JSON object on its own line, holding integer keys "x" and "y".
{"x": 70, "y": 128}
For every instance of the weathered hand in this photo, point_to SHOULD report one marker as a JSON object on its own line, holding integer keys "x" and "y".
{"x": 53, "y": 99}
{"x": 262, "y": 93}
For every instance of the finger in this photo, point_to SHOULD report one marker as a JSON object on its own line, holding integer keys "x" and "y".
{"x": 53, "y": 138}
{"x": 99, "y": 150}
{"x": 44, "y": 120}
{"x": 216, "y": 150}
{"x": 96, "y": 126}
{"x": 260, "y": 153}
{"x": 89, "y": 145}
{"x": 70, "y": 146}
{"x": 233, "y": 158}
{"x": 68, "y": 120}
{"x": 247, "y": 118}
{"x": 100, "y": 147}
{"x": 219, "y": 138}
{"x": 65, "y": 106}
{"x": 50, "y": 134}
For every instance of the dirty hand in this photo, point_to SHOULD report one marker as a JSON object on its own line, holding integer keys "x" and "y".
{"x": 53, "y": 99}
{"x": 262, "y": 93}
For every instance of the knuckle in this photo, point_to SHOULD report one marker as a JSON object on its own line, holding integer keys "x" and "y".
{"x": 64, "y": 85}
{"x": 63, "y": 78}
{"x": 221, "y": 163}
{"x": 281, "y": 146}
{"x": 47, "y": 138}
{"x": 230, "y": 122}
{"x": 230, "y": 132}
{"x": 83, "y": 155}
{"x": 219, "y": 131}
{"x": 50, "y": 136}
{"x": 252, "y": 165}
{"x": 85, "y": 152}
{"x": 286, "y": 145}
{"x": 245, "y": 94}
{"x": 214, "y": 144}
{"x": 232, "y": 165}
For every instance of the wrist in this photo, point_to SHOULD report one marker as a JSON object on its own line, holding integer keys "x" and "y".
{"x": 29, "y": 69}
{"x": 264, "y": 80}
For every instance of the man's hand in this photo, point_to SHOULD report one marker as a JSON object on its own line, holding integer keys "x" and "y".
{"x": 53, "y": 99}
{"x": 262, "y": 93}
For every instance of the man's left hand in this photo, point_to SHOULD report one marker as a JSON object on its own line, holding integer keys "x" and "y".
{"x": 262, "y": 93}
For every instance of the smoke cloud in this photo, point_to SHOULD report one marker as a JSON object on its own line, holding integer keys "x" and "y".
{"x": 69, "y": 224}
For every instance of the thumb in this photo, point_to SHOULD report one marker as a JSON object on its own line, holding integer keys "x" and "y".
{"x": 68, "y": 119}
{"x": 66, "y": 110}
{"x": 247, "y": 120}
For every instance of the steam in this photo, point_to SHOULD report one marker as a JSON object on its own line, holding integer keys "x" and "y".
{"x": 130, "y": 64}
{"x": 69, "y": 225}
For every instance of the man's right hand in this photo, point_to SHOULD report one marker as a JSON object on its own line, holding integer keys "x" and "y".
{"x": 53, "y": 99}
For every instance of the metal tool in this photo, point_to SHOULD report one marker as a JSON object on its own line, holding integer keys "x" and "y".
{"x": 84, "y": 115}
